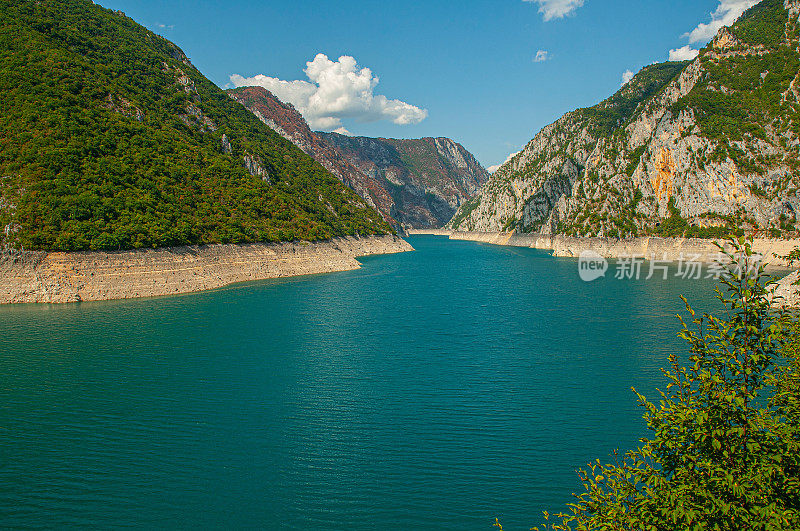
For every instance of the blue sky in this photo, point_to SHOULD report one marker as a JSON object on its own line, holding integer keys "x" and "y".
{"x": 470, "y": 64}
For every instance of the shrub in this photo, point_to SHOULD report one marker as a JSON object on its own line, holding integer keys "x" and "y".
{"x": 724, "y": 451}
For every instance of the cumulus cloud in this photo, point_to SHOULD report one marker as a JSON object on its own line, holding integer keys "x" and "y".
{"x": 336, "y": 90}
{"x": 541, "y": 56}
{"x": 627, "y": 76}
{"x": 686, "y": 53}
{"x": 726, "y": 14}
{"x": 166, "y": 26}
{"x": 551, "y": 9}
{"x": 492, "y": 169}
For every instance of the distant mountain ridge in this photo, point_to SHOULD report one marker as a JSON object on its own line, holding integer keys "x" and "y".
{"x": 413, "y": 183}
{"x": 111, "y": 139}
{"x": 285, "y": 120}
{"x": 700, "y": 148}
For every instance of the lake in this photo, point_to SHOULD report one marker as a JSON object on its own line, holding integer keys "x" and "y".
{"x": 437, "y": 389}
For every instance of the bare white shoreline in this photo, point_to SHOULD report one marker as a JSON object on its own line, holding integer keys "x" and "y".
{"x": 57, "y": 277}
{"x": 669, "y": 249}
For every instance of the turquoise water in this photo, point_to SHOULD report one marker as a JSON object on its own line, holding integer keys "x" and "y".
{"x": 430, "y": 390}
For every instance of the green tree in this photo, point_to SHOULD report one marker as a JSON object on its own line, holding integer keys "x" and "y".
{"x": 724, "y": 452}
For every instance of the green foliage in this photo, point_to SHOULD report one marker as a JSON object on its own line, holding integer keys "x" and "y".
{"x": 762, "y": 24}
{"x": 617, "y": 110}
{"x": 793, "y": 257}
{"x": 106, "y": 145}
{"x": 725, "y": 446}
{"x": 676, "y": 226}
{"x": 464, "y": 211}
{"x": 743, "y": 92}
{"x": 634, "y": 157}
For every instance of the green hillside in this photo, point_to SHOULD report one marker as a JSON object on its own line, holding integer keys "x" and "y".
{"x": 111, "y": 139}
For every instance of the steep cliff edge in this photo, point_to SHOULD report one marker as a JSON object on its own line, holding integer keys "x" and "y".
{"x": 412, "y": 183}
{"x": 684, "y": 149}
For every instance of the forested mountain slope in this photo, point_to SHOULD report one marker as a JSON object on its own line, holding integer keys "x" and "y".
{"x": 111, "y": 139}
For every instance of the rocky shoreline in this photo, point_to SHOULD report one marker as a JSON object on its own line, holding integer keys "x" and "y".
{"x": 671, "y": 249}
{"x": 58, "y": 277}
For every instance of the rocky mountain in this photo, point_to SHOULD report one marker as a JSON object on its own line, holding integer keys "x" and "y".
{"x": 284, "y": 119}
{"x": 413, "y": 183}
{"x": 702, "y": 148}
{"x": 112, "y": 139}
{"x": 427, "y": 178}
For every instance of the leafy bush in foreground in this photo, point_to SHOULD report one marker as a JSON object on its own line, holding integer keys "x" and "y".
{"x": 725, "y": 446}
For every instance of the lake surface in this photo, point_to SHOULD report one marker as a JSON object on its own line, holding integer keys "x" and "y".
{"x": 430, "y": 390}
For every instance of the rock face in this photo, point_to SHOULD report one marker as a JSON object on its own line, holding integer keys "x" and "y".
{"x": 773, "y": 251}
{"x": 58, "y": 277}
{"x": 284, "y": 119}
{"x": 413, "y": 183}
{"x": 787, "y": 291}
{"x": 681, "y": 149}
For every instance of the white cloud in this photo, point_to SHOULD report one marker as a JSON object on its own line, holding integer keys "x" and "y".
{"x": 492, "y": 169}
{"x": 551, "y": 9}
{"x": 336, "y": 90}
{"x": 343, "y": 131}
{"x": 627, "y": 76}
{"x": 726, "y": 14}
{"x": 166, "y": 26}
{"x": 686, "y": 53}
{"x": 541, "y": 56}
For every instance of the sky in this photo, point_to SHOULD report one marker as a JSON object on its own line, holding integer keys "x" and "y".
{"x": 486, "y": 73}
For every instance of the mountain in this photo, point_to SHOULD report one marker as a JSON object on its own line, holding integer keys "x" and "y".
{"x": 702, "y": 148}
{"x": 427, "y": 178}
{"x": 111, "y": 139}
{"x": 413, "y": 183}
{"x": 284, "y": 119}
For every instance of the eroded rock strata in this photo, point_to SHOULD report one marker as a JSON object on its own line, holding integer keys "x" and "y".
{"x": 58, "y": 277}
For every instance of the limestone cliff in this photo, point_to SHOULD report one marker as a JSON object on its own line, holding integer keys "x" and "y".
{"x": 412, "y": 183}
{"x": 697, "y": 148}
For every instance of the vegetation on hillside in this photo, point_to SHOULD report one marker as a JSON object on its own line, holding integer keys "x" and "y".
{"x": 724, "y": 450}
{"x": 111, "y": 139}
{"x": 742, "y": 94}
{"x": 725, "y": 152}
{"x": 676, "y": 226}
{"x": 616, "y": 111}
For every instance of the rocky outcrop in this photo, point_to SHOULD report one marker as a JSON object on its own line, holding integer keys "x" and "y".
{"x": 83, "y": 276}
{"x": 786, "y": 291}
{"x": 682, "y": 148}
{"x": 413, "y": 183}
{"x": 284, "y": 119}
